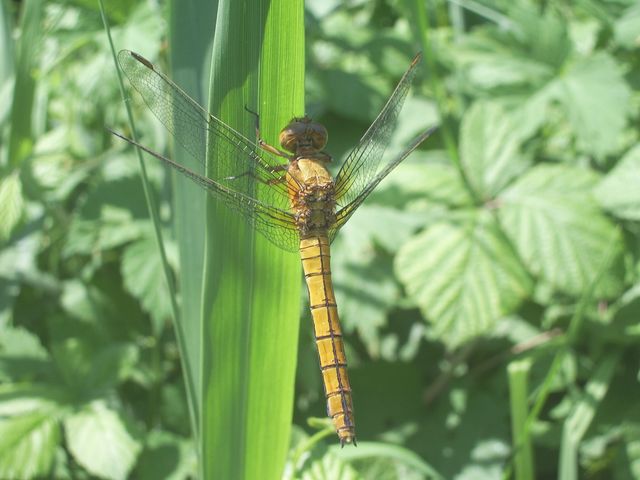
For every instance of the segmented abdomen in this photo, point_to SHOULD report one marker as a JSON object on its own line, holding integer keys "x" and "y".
{"x": 315, "y": 255}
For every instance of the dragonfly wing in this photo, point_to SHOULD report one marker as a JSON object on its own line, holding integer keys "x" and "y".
{"x": 240, "y": 164}
{"x": 343, "y": 214}
{"x": 363, "y": 163}
{"x": 275, "y": 224}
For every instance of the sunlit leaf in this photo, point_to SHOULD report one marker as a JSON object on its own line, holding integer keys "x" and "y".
{"x": 627, "y": 27}
{"x": 18, "y": 341}
{"x": 618, "y": 191}
{"x": 100, "y": 440}
{"x": 556, "y": 227}
{"x": 596, "y": 98}
{"x": 143, "y": 278}
{"x": 464, "y": 276}
{"x": 28, "y": 442}
{"x": 489, "y": 148}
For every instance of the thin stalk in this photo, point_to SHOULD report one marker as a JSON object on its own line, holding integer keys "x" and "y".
{"x": 155, "y": 220}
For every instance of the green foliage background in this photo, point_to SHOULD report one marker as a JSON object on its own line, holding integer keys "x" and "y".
{"x": 489, "y": 288}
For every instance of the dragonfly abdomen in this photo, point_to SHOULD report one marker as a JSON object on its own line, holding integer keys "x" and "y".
{"x": 315, "y": 256}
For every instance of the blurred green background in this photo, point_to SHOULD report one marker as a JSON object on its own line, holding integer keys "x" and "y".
{"x": 489, "y": 288}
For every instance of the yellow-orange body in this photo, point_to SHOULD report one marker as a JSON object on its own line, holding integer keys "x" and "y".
{"x": 311, "y": 193}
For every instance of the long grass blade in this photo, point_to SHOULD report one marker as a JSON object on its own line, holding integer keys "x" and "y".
{"x": 251, "y": 291}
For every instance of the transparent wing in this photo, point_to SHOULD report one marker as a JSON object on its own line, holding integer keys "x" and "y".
{"x": 249, "y": 180}
{"x": 239, "y": 161}
{"x": 363, "y": 163}
{"x": 275, "y": 224}
{"x": 343, "y": 214}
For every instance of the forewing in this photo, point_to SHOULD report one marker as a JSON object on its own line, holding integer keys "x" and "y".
{"x": 250, "y": 181}
{"x": 275, "y": 224}
{"x": 242, "y": 165}
{"x": 363, "y": 163}
{"x": 343, "y": 214}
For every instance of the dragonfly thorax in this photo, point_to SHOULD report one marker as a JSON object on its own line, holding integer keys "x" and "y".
{"x": 303, "y": 136}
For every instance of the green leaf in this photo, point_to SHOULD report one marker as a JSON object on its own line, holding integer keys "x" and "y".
{"x": 19, "y": 342}
{"x": 464, "y": 276}
{"x": 489, "y": 148}
{"x": 101, "y": 442}
{"x": 166, "y": 456}
{"x": 556, "y": 227}
{"x": 28, "y": 442}
{"x": 378, "y": 460}
{"x": 596, "y": 98}
{"x": 143, "y": 278}
{"x": 326, "y": 465}
{"x": 22, "y": 398}
{"x": 90, "y": 371}
{"x": 11, "y": 204}
{"x": 426, "y": 181}
{"x": 22, "y": 356}
{"x": 618, "y": 191}
{"x": 627, "y": 28}
{"x": 364, "y": 306}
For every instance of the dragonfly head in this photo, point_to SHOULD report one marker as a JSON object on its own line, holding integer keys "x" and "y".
{"x": 303, "y": 135}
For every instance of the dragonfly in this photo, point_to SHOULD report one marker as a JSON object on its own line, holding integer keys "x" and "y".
{"x": 287, "y": 194}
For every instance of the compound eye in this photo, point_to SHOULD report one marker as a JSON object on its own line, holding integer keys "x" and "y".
{"x": 290, "y": 135}
{"x": 318, "y": 136}
{"x": 303, "y": 132}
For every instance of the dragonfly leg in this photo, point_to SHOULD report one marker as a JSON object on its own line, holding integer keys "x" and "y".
{"x": 264, "y": 145}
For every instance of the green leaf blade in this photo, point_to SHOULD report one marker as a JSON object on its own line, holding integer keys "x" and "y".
{"x": 251, "y": 300}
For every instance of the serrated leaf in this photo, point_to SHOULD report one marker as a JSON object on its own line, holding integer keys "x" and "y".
{"x": 489, "y": 148}
{"x": 464, "y": 276}
{"x": 11, "y": 204}
{"x": 28, "y": 442}
{"x": 100, "y": 441}
{"x": 365, "y": 305}
{"x": 596, "y": 98}
{"x": 427, "y": 177}
{"x": 328, "y": 467}
{"x": 393, "y": 462}
{"x": 556, "y": 227}
{"x": 144, "y": 278}
{"x": 618, "y": 192}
